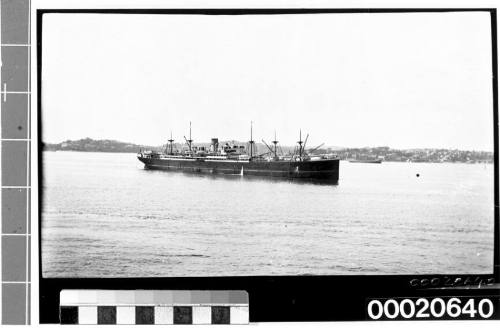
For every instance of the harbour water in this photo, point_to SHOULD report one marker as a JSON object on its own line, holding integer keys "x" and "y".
{"x": 104, "y": 215}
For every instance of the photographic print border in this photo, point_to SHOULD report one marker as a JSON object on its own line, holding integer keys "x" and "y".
{"x": 281, "y": 298}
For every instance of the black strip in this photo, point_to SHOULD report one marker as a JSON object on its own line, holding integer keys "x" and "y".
{"x": 494, "y": 62}
{"x": 39, "y": 19}
{"x": 221, "y": 315}
{"x": 69, "y": 315}
{"x": 106, "y": 315}
{"x": 144, "y": 315}
{"x": 262, "y": 11}
{"x": 183, "y": 315}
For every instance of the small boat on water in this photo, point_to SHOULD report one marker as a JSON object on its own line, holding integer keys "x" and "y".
{"x": 372, "y": 161}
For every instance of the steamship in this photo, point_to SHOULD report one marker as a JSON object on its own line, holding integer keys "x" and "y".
{"x": 238, "y": 160}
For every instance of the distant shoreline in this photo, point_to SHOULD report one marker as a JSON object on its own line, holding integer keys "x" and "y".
{"x": 342, "y": 160}
{"x": 87, "y": 151}
{"x": 385, "y": 154}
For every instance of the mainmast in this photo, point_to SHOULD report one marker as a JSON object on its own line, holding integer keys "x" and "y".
{"x": 300, "y": 142}
{"x": 170, "y": 141}
{"x": 251, "y": 140}
{"x": 275, "y": 142}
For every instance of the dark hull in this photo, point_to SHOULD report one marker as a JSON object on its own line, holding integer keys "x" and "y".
{"x": 315, "y": 170}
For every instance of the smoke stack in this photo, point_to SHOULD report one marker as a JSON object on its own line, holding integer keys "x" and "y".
{"x": 214, "y": 145}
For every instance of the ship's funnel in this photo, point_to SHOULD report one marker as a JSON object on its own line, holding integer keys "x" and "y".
{"x": 214, "y": 145}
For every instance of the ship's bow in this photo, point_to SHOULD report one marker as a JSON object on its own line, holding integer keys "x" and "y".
{"x": 322, "y": 170}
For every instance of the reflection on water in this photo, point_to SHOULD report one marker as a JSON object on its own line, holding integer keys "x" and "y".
{"x": 239, "y": 177}
{"x": 104, "y": 215}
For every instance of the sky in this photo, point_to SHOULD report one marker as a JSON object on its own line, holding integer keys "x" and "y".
{"x": 405, "y": 80}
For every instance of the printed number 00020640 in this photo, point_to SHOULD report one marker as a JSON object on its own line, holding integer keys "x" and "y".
{"x": 437, "y": 308}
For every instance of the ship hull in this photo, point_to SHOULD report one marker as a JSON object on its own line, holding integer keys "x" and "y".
{"x": 327, "y": 169}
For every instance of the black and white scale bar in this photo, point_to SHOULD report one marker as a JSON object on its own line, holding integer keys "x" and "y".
{"x": 153, "y": 307}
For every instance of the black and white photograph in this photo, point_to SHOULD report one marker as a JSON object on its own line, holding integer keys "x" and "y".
{"x": 304, "y": 144}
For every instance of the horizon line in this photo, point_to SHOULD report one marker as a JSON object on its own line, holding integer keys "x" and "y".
{"x": 285, "y": 145}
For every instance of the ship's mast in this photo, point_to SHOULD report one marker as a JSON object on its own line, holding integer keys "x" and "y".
{"x": 304, "y": 146}
{"x": 275, "y": 142}
{"x": 251, "y": 140}
{"x": 189, "y": 141}
{"x": 300, "y": 144}
{"x": 171, "y": 144}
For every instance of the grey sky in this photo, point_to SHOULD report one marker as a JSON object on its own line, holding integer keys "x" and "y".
{"x": 400, "y": 80}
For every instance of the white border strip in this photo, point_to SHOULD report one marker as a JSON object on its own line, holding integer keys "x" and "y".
{"x": 186, "y": 4}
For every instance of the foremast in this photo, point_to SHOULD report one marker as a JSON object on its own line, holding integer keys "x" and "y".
{"x": 251, "y": 140}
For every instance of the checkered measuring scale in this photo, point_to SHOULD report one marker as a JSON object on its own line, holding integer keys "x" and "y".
{"x": 153, "y": 307}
